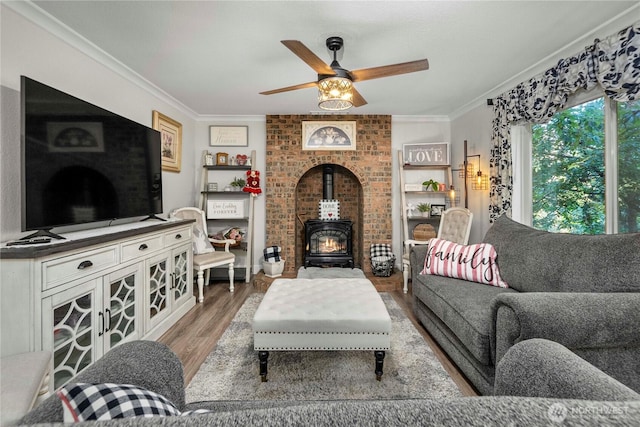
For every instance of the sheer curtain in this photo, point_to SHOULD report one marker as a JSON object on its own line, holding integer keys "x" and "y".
{"x": 612, "y": 63}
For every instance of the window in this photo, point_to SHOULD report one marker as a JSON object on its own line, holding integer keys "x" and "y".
{"x": 585, "y": 169}
{"x": 628, "y": 131}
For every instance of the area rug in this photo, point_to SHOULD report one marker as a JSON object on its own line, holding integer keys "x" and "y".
{"x": 231, "y": 371}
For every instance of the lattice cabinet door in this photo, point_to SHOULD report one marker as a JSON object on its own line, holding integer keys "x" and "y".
{"x": 122, "y": 305}
{"x": 182, "y": 278}
{"x": 71, "y": 330}
{"x": 158, "y": 294}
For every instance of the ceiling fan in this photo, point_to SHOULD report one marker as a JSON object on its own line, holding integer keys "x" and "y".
{"x": 335, "y": 82}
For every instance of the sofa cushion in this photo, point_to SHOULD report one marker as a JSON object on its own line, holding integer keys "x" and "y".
{"x": 531, "y": 260}
{"x": 465, "y": 307}
{"x": 475, "y": 263}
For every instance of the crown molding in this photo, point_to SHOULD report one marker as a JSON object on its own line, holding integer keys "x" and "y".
{"x": 47, "y": 22}
{"x": 231, "y": 119}
{"x": 419, "y": 119}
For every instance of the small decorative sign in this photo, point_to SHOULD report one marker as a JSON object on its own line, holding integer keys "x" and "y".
{"x": 217, "y": 209}
{"x": 426, "y": 154}
{"x": 329, "y": 210}
{"x": 229, "y": 136}
{"x": 413, "y": 187}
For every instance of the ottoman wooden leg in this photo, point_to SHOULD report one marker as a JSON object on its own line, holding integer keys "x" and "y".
{"x": 379, "y": 362}
{"x": 263, "y": 356}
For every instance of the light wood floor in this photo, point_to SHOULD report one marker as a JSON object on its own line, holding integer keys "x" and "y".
{"x": 194, "y": 336}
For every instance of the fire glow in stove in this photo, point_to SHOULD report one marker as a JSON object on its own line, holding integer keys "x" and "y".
{"x": 328, "y": 243}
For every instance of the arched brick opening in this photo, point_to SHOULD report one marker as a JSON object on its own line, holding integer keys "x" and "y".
{"x": 347, "y": 189}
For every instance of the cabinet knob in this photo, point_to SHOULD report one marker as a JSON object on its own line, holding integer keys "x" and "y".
{"x": 85, "y": 264}
{"x": 178, "y": 236}
{"x": 143, "y": 246}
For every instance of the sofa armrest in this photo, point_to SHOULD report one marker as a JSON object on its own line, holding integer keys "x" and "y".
{"x": 416, "y": 256}
{"x": 575, "y": 320}
{"x": 146, "y": 364}
{"x": 543, "y": 368}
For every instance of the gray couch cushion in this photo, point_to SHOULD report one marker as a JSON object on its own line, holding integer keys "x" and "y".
{"x": 468, "y": 317}
{"x": 147, "y": 364}
{"x": 531, "y": 260}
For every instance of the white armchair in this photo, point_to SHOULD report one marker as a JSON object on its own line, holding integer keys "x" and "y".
{"x": 205, "y": 255}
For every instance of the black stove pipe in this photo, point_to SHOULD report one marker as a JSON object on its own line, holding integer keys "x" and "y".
{"x": 327, "y": 182}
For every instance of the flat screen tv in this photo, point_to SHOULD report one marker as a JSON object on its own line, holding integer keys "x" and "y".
{"x": 82, "y": 163}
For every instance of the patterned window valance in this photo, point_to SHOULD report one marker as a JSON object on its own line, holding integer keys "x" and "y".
{"x": 613, "y": 64}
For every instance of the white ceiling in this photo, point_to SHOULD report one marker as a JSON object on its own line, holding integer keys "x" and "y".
{"x": 215, "y": 57}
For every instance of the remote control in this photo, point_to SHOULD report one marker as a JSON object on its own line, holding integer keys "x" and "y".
{"x": 32, "y": 241}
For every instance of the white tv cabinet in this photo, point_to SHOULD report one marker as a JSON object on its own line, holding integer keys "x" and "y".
{"x": 79, "y": 297}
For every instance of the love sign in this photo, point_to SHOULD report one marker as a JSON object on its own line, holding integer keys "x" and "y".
{"x": 426, "y": 154}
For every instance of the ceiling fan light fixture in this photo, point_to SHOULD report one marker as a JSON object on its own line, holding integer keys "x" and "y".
{"x": 335, "y": 93}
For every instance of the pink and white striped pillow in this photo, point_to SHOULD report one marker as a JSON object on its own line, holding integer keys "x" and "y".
{"x": 475, "y": 263}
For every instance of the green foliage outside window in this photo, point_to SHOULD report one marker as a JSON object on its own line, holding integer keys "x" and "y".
{"x": 629, "y": 166}
{"x": 568, "y": 169}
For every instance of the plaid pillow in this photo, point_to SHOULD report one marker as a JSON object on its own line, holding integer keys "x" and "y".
{"x": 83, "y": 402}
{"x": 381, "y": 249}
{"x": 272, "y": 254}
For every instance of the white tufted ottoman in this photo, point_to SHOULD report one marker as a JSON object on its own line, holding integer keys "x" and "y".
{"x": 321, "y": 314}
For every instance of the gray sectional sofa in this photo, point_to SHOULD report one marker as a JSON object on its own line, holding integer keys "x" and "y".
{"x": 567, "y": 391}
{"x": 582, "y": 291}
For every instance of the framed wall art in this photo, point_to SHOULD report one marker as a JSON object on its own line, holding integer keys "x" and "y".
{"x": 171, "y": 139}
{"x": 330, "y": 136}
{"x": 229, "y": 136}
{"x": 436, "y": 210}
{"x": 426, "y": 154}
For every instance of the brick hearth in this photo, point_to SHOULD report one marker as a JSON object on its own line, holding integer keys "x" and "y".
{"x": 293, "y": 184}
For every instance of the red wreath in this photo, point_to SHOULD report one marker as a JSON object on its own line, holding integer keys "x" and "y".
{"x": 253, "y": 182}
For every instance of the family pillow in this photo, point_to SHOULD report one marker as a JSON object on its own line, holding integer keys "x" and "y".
{"x": 475, "y": 263}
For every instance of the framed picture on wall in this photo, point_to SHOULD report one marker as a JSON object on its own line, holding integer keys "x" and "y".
{"x": 171, "y": 139}
{"x": 329, "y": 136}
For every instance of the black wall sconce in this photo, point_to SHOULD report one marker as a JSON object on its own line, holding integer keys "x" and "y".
{"x": 468, "y": 172}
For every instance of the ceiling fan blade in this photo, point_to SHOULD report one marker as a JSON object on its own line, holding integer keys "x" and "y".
{"x": 307, "y": 56}
{"x": 389, "y": 70}
{"x": 358, "y": 100}
{"x": 288, "y": 88}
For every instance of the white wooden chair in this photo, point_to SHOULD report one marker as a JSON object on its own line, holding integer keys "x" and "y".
{"x": 205, "y": 255}
{"x": 455, "y": 226}
{"x": 406, "y": 262}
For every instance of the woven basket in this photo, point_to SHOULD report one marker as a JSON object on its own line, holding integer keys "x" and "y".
{"x": 424, "y": 232}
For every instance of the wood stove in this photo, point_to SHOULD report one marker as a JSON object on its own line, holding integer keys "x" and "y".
{"x": 328, "y": 243}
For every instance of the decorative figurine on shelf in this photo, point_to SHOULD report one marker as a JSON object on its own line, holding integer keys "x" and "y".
{"x": 253, "y": 183}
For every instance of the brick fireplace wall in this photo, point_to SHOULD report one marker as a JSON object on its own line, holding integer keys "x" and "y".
{"x": 293, "y": 184}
